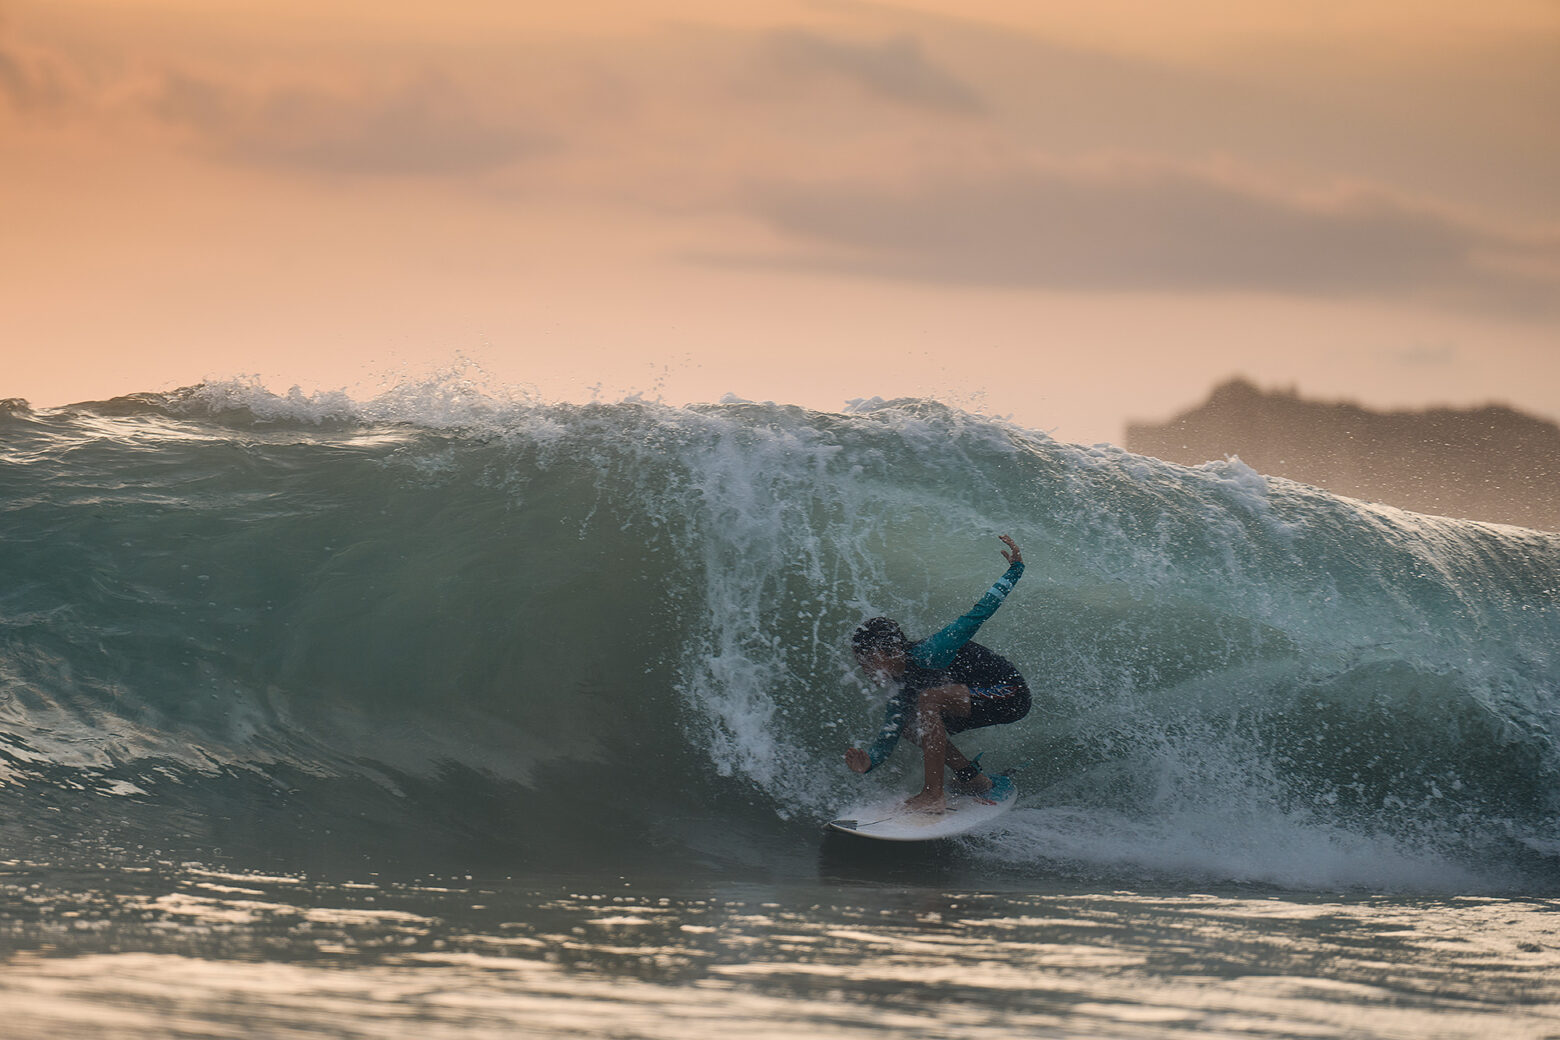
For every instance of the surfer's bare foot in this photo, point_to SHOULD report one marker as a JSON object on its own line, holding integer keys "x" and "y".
{"x": 927, "y": 801}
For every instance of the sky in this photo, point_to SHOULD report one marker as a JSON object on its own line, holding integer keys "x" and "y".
{"x": 1074, "y": 215}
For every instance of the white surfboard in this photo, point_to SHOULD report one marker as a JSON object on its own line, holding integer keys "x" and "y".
{"x": 893, "y": 821}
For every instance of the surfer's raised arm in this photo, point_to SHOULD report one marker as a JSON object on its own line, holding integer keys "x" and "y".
{"x": 947, "y": 684}
{"x": 938, "y": 650}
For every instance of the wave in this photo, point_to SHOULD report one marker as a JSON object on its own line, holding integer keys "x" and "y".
{"x": 606, "y": 632}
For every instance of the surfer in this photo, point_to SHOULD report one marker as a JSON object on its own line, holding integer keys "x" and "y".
{"x": 947, "y": 684}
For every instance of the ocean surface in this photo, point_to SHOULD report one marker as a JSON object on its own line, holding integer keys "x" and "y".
{"x": 444, "y": 714}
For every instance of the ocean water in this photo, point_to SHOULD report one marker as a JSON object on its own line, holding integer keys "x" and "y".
{"x": 446, "y": 714}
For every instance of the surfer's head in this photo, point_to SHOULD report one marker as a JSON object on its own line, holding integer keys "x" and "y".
{"x": 877, "y": 634}
{"x": 880, "y": 646}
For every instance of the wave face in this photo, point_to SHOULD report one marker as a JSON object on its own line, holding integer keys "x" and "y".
{"x": 240, "y": 624}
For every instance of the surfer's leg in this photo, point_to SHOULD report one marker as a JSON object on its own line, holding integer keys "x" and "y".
{"x": 956, "y": 761}
{"x": 989, "y": 706}
{"x": 933, "y": 733}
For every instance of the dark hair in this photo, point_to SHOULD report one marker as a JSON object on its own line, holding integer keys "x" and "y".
{"x": 879, "y": 633}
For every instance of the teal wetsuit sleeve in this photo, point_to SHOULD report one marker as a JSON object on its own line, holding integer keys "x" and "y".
{"x": 888, "y": 734}
{"x": 937, "y": 651}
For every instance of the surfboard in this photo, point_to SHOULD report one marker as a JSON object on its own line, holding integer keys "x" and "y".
{"x": 892, "y": 821}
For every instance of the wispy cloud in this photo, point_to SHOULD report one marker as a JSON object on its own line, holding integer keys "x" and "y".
{"x": 896, "y": 69}
{"x": 423, "y": 125}
{"x": 31, "y": 81}
{"x": 1143, "y": 226}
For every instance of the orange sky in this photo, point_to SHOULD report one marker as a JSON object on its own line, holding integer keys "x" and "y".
{"x": 1075, "y": 217}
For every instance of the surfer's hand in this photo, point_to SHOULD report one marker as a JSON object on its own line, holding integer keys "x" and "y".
{"x": 1011, "y": 557}
{"x": 857, "y": 759}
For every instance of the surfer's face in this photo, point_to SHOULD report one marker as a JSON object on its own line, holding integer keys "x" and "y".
{"x": 883, "y": 665}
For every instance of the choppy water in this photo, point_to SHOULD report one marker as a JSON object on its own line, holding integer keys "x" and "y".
{"x": 189, "y": 951}
{"x": 438, "y": 635}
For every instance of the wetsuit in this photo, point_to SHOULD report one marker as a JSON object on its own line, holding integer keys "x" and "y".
{"x": 998, "y": 693}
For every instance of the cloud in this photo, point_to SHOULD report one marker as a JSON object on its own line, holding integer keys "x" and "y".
{"x": 423, "y": 126}
{"x": 32, "y": 81}
{"x": 1423, "y": 355}
{"x": 13, "y": 79}
{"x": 895, "y": 69}
{"x": 1145, "y": 227}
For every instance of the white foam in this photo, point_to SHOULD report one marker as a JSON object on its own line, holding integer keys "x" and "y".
{"x": 1237, "y": 846}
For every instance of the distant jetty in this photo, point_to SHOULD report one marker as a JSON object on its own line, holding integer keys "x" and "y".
{"x": 1491, "y": 463}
